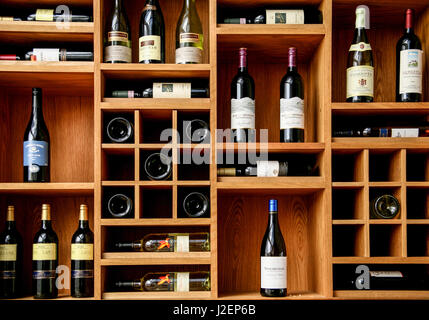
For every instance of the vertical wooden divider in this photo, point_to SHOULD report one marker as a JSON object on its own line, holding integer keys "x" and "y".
{"x": 403, "y": 202}
{"x": 367, "y": 245}
{"x": 137, "y": 198}
{"x": 176, "y": 150}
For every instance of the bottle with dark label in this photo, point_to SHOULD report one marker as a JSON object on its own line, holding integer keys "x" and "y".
{"x": 10, "y": 258}
{"x": 196, "y": 205}
{"x": 164, "y": 90}
{"x": 152, "y": 34}
{"x": 52, "y": 15}
{"x": 384, "y": 207}
{"x": 45, "y": 258}
{"x": 39, "y": 54}
{"x": 82, "y": 258}
{"x": 384, "y": 132}
{"x": 120, "y": 130}
{"x": 158, "y": 166}
{"x": 120, "y": 206}
{"x": 36, "y": 144}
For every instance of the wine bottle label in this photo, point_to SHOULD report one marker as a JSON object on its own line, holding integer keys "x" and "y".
{"x": 36, "y": 154}
{"x": 361, "y": 46}
{"x": 6, "y": 18}
{"x": 119, "y": 36}
{"x": 44, "y": 15}
{"x": 285, "y": 16}
{"x": 190, "y": 38}
{"x": 243, "y": 113}
{"x": 182, "y": 282}
{"x": 82, "y": 251}
{"x": 292, "y": 113}
{"x": 46, "y": 54}
{"x": 267, "y": 168}
{"x": 149, "y": 48}
{"x": 405, "y": 133}
{"x": 189, "y": 55}
{"x": 118, "y": 53}
{"x": 8, "y": 252}
{"x": 7, "y": 274}
{"x": 411, "y": 71}
{"x": 171, "y": 90}
{"x": 44, "y": 251}
{"x": 273, "y": 272}
{"x": 386, "y": 274}
{"x": 44, "y": 274}
{"x": 82, "y": 274}
{"x": 182, "y": 244}
{"x": 360, "y": 81}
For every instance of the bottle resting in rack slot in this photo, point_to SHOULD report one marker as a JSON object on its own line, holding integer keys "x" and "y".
{"x": 168, "y": 242}
{"x": 11, "y": 57}
{"x": 360, "y": 66}
{"x": 39, "y": 54}
{"x": 158, "y": 166}
{"x": 384, "y": 132}
{"x": 384, "y": 207}
{"x": 51, "y": 15}
{"x": 120, "y": 130}
{"x": 10, "y": 258}
{"x": 196, "y": 205}
{"x": 152, "y": 34}
{"x": 169, "y": 281}
{"x": 10, "y": 19}
{"x": 409, "y": 63}
{"x": 196, "y": 131}
{"x": 164, "y": 90}
{"x": 36, "y": 144}
{"x": 120, "y": 206}
{"x": 280, "y": 16}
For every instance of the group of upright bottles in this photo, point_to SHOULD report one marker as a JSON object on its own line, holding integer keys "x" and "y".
{"x": 151, "y": 46}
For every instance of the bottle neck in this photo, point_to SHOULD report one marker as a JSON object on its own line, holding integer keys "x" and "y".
{"x": 83, "y": 224}
{"x": 10, "y": 225}
{"x": 128, "y": 245}
{"x": 129, "y": 284}
{"x": 189, "y": 4}
{"x": 292, "y": 63}
{"x": 360, "y": 35}
{"x": 46, "y": 224}
{"x": 118, "y": 5}
{"x": 409, "y": 23}
{"x": 37, "y": 106}
{"x": 242, "y": 63}
{"x": 273, "y": 219}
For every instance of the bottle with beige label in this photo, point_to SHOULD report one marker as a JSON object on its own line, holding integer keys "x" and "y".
{"x": 152, "y": 34}
{"x": 10, "y": 258}
{"x": 82, "y": 258}
{"x": 45, "y": 258}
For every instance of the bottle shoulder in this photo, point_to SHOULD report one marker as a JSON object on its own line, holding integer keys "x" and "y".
{"x": 242, "y": 78}
{"x": 409, "y": 41}
{"x": 83, "y": 236}
{"x": 45, "y": 236}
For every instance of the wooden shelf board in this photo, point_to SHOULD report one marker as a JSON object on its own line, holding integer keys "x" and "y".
{"x": 257, "y": 296}
{"x": 273, "y": 147}
{"x": 258, "y": 3}
{"x": 118, "y": 183}
{"x": 46, "y": 27}
{"x": 348, "y": 185}
{"x": 193, "y": 183}
{"x": 186, "y": 146}
{"x": 54, "y": 3}
{"x": 154, "y": 258}
{"x": 381, "y": 294}
{"x": 156, "y": 222}
{"x": 270, "y": 29}
{"x": 380, "y": 260}
{"x": 155, "y": 146}
{"x": 418, "y": 184}
{"x": 61, "y": 297}
{"x": 118, "y": 149}
{"x": 191, "y": 295}
{"x": 418, "y": 221}
{"x": 47, "y": 66}
{"x": 349, "y": 222}
{"x": 380, "y": 108}
{"x": 51, "y": 188}
{"x": 384, "y": 184}
{"x": 385, "y": 221}
{"x": 380, "y": 143}
{"x": 119, "y": 104}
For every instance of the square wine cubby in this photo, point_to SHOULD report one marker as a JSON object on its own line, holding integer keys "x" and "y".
{"x": 384, "y": 166}
{"x": 386, "y": 240}
{"x": 156, "y": 202}
{"x": 348, "y": 240}
{"x": 385, "y": 203}
{"x": 194, "y": 163}
{"x": 417, "y": 166}
{"x": 118, "y": 202}
{"x": 418, "y": 240}
{"x": 157, "y": 164}
{"x": 417, "y": 203}
{"x": 347, "y": 166}
{"x": 193, "y": 202}
{"x": 347, "y": 203}
{"x": 118, "y": 128}
{"x": 117, "y": 164}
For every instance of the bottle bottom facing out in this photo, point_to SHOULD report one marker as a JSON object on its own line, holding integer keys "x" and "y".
{"x": 409, "y": 97}
{"x": 360, "y": 99}
{"x": 273, "y": 292}
{"x": 292, "y": 135}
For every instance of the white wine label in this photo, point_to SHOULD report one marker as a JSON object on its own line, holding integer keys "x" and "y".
{"x": 117, "y": 36}
{"x": 292, "y": 113}
{"x": 243, "y": 113}
{"x": 82, "y": 251}
{"x": 182, "y": 244}
{"x": 190, "y": 38}
{"x": 360, "y": 81}
{"x": 267, "y": 168}
{"x": 46, "y": 54}
{"x": 405, "y": 133}
{"x": 361, "y": 46}
{"x": 44, "y": 15}
{"x": 117, "y": 53}
{"x": 182, "y": 281}
{"x": 285, "y": 16}
{"x": 189, "y": 54}
{"x": 8, "y": 252}
{"x": 149, "y": 48}
{"x": 171, "y": 90}
{"x": 44, "y": 251}
{"x": 411, "y": 71}
{"x": 386, "y": 274}
{"x": 273, "y": 272}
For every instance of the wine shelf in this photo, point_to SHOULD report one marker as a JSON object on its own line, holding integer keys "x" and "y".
{"x": 257, "y": 296}
{"x": 169, "y": 71}
{"x": 380, "y": 108}
{"x": 157, "y": 258}
{"x": 276, "y": 30}
{"x": 380, "y": 260}
{"x": 381, "y": 294}
{"x": 47, "y": 188}
{"x": 272, "y": 147}
{"x": 192, "y": 295}
{"x": 157, "y": 222}
{"x": 119, "y": 104}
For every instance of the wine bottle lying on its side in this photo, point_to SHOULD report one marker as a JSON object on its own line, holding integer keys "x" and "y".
{"x": 280, "y": 16}
{"x": 120, "y": 130}
{"x": 120, "y": 206}
{"x": 11, "y": 57}
{"x": 384, "y": 207}
{"x": 51, "y": 15}
{"x": 10, "y": 19}
{"x": 387, "y": 132}
{"x": 58, "y": 55}
{"x": 164, "y": 90}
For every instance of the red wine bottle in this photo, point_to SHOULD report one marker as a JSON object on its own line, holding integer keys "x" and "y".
{"x": 58, "y": 55}
{"x": 11, "y": 57}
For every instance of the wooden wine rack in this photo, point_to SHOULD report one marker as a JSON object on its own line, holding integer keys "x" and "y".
{"x": 325, "y": 219}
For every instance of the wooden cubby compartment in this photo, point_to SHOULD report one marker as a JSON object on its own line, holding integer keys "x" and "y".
{"x": 145, "y": 153}
{"x": 348, "y": 240}
{"x": 385, "y": 240}
{"x": 183, "y": 191}
{"x": 417, "y": 203}
{"x": 109, "y": 191}
{"x": 347, "y": 204}
{"x": 194, "y": 164}
{"x": 347, "y": 166}
{"x": 417, "y": 166}
{"x": 384, "y": 166}
{"x": 418, "y": 240}
{"x": 156, "y": 202}
{"x": 375, "y": 192}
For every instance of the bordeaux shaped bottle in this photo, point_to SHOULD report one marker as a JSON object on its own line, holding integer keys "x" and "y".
{"x": 292, "y": 103}
{"x": 36, "y": 144}
{"x": 243, "y": 102}
{"x": 82, "y": 258}
{"x": 152, "y": 34}
{"x": 409, "y": 64}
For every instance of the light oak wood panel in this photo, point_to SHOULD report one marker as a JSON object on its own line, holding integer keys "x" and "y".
{"x": 380, "y": 260}
{"x": 381, "y": 108}
{"x": 46, "y": 3}
{"x": 118, "y": 104}
{"x": 264, "y": 3}
{"x": 47, "y": 67}
{"x": 380, "y": 143}
{"x": 381, "y": 295}
{"x": 77, "y": 188}
{"x": 192, "y": 295}
{"x": 278, "y": 30}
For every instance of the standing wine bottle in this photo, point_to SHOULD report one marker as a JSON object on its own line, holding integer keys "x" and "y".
{"x": 36, "y": 144}
{"x": 189, "y": 35}
{"x": 273, "y": 257}
{"x": 409, "y": 64}
{"x": 243, "y": 102}
{"x": 118, "y": 44}
{"x": 10, "y": 258}
{"x": 45, "y": 258}
{"x": 152, "y": 34}
{"x": 82, "y": 258}
{"x": 360, "y": 67}
{"x": 292, "y": 103}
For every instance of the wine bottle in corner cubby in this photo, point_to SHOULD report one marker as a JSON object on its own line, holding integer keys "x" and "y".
{"x": 61, "y": 16}
{"x": 158, "y": 166}
{"x": 384, "y": 207}
{"x": 120, "y": 205}
{"x": 360, "y": 66}
{"x": 152, "y": 34}
{"x": 120, "y": 130}
{"x": 118, "y": 36}
{"x": 173, "y": 90}
{"x": 36, "y": 144}
{"x": 10, "y": 258}
{"x": 387, "y": 132}
{"x": 409, "y": 63}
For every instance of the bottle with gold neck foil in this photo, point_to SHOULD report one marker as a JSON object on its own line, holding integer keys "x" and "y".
{"x": 10, "y": 258}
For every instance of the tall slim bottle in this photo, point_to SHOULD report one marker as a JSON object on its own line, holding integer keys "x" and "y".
{"x": 45, "y": 258}
{"x": 292, "y": 103}
{"x": 10, "y": 258}
{"x": 273, "y": 257}
{"x": 36, "y": 144}
{"x": 152, "y": 34}
{"x": 409, "y": 63}
{"x": 243, "y": 102}
{"x": 360, "y": 66}
{"x": 189, "y": 35}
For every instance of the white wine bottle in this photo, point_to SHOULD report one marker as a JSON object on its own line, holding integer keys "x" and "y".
{"x": 189, "y": 35}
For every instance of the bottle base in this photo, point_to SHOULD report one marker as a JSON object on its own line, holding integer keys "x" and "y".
{"x": 273, "y": 293}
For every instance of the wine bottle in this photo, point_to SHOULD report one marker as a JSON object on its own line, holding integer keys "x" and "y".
{"x": 118, "y": 37}
{"x": 169, "y": 281}
{"x": 189, "y": 35}
{"x": 10, "y": 57}
{"x": 292, "y": 103}
{"x": 360, "y": 66}
{"x": 164, "y": 90}
{"x": 243, "y": 103}
{"x": 152, "y": 34}
{"x": 384, "y": 132}
{"x": 265, "y": 168}
{"x": 384, "y": 207}
{"x": 36, "y": 144}
{"x": 196, "y": 205}
{"x": 409, "y": 64}
{"x": 196, "y": 131}
{"x": 158, "y": 166}
{"x": 50, "y": 15}
{"x": 244, "y": 20}
{"x": 120, "y": 206}
{"x": 45, "y": 258}
{"x": 10, "y": 19}
{"x": 120, "y": 130}
{"x": 273, "y": 257}
{"x": 308, "y": 15}
{"x": 82, "y": 258}
{"x": 10, "y": 258}
{"x": 58, "y": 55}
{"x": 169, "y": 242}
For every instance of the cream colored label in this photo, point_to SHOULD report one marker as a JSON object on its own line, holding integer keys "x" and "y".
{"x": 405, "y": 133}
{"x": 273, "y": 272}
{"x": 361, "y": 46}
{"x": 182, "y": 281}
{"x": 411, "y": 71}
{"x": 285, "y": 16}
{"x": 292, "y": 113}
{"x": 44, "y": 251}
{"x": 8, "y": 252}
{"x": 44, "y": 15}
{"x": 243, "y": 113}
{"x": 360, "y": 81}
{"x": 171, "y": 90}
{"x": 182, "y": 244}
{"x": 267, "y": 168}
{"x": 150, "y": 48}
{"x": 46, "y": 54}
{"x": 82, "y": 251}
{"x": 189, "y": 54}
{"x": 118, "y": 53}
{"x": 6, "y": 18}
{"x": 117, "y": 36}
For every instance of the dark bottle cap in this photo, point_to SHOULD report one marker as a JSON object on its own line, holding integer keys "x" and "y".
{"x": 37, "y": 91}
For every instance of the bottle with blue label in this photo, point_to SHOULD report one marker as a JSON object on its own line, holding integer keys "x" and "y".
{"x": 36, "y": 144}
